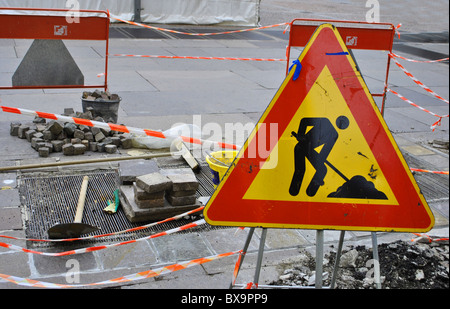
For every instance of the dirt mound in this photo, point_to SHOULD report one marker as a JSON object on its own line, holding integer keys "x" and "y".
{"x": 404, "y": 265}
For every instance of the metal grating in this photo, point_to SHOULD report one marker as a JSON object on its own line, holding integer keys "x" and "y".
{"x": 50, "y": 199}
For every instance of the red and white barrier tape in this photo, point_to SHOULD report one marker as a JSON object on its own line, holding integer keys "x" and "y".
{"x": 158, "y": 134}
{"x": 237, "y": 266}
{"x": 428, "y": 171}
{"x": 396, "y": 30}
{"x": 134, "y": 229}
{"x": 433, "y": 126}
{"x": 199, "y": 58}
{"x": 197, "y": 34}
{"x": 124, "y": 279}
{"x": 418, "y": 61}
{"x": 428, "y": 238}
{"x": 418, "y": 82}
{"x": 115, "y": 127}
{"x": 97, "y": 248}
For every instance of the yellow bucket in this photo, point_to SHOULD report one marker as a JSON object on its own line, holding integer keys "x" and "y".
{"x": 219, "y": 162}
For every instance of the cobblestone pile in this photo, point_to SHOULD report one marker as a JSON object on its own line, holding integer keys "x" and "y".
{"x": 68, "y": 138}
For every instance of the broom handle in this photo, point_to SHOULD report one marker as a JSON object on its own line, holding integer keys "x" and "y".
{"x": 81, "y": 200}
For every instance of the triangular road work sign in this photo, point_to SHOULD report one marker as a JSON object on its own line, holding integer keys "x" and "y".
{"x": 321, "y": 156}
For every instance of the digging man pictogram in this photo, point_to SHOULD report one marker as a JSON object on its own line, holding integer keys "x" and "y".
{"x": 316, "y": 138}
{"x": 313, "y": 133}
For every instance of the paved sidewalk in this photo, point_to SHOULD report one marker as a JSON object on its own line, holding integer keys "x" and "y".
{"x": 156, "y": 94}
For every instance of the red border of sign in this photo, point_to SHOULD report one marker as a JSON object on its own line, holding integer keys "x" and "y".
{"x": 371, "y": 36}
{"x": 227, "y": 207}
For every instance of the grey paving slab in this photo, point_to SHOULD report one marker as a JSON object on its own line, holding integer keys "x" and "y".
{"x": 202, "y": 65}
{"x": 248, "y": 52}
{"x": 130, "y": 49}
{"x": 14, "y": 263}
{"x": 197, "y": 80}
{"x": 128, "y": 256}
{"x": 229, "y": 239}
{"x": 398, "y": 122}
{"x": 50, "y": 265}
{"x": 180, "y": 247}
{"x": 7, "y": 51}
{"x": 9, "y": 198}
{"x": 417, "y": 96}
{"x": 422, "y": 118}
{"x": 270, "y": 79}
{"x": 11, "y": 216}
{"x": 135, "y": 82}
{"x": 429, "y": 78}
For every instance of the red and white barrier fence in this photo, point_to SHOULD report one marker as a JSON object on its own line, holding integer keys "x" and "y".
{"x": 199, "y": 58}
{"x": 393, "y": 55}
{"x": 434, "y": 125}
{"x": 124, "y": 279}
{"x": 418, "y": 82}
{"x": 115, "y": 127}
{"x": 198, "y": 34}
{"x": 134, "y": 229}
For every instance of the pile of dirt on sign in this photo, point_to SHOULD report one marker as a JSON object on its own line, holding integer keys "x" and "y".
{"x": 404, "y": 265}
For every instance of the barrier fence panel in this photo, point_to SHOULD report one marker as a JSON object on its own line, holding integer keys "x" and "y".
{"x": 356, "y": 35}
{"x": 56, "y": 24}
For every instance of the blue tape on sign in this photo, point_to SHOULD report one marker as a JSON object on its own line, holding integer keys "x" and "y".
{"x": 336, "y": 54}
{"x": 298, "y": 69}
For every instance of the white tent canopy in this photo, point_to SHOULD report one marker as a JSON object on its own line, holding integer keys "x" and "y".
{"x": 198, "y": 12}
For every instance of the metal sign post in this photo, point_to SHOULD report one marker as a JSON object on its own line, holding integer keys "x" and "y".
{"x": 319, "y": 262}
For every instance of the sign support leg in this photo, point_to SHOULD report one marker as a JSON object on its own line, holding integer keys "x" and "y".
{"x": 338, "y": 259}
{"x": 376, "y": 259}
{"x": 244, "y": 251}
{"x": 260, "y": 256}
{"x": 319, "y": 258}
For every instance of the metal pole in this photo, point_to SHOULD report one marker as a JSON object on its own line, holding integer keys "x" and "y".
{"x": 376, "y": 259}
{"x": 338, "y": 259}
{"x": 43, "y": 165}
{"x": 260, "y": 255}
{"x": 137, "y": 11}
{"x": 244, "y": 251}
{"x": 319, "y": 258}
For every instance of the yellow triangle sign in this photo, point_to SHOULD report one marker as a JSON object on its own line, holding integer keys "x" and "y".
{"x": 329, "y": 162}
{"x": 350, "y": 153}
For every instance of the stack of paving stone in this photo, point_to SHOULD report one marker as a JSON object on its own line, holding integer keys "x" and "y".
{"x": 184, "y": 186}
{"x": 69, "y": 138}
{"x": 159, "y": 195}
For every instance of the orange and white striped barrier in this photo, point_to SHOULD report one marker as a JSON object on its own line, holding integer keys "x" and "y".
{"x": 134, "y": 229}
{"x": 197, "y": 34}
{"x": 124, "y": 279}
{"x": 116, "y": 127}
{"x": 428, "y": 171}
{"x": 199, "y": 58}
{"x": 393, "y": 55}
{"x": 433, "y": 126}
{"x": 418, "y": 82}
{"x": 97, "y": 248}
{"x": 428, "y": 238}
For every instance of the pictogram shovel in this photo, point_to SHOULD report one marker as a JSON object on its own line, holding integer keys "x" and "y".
{"x": 75, "y": 229}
